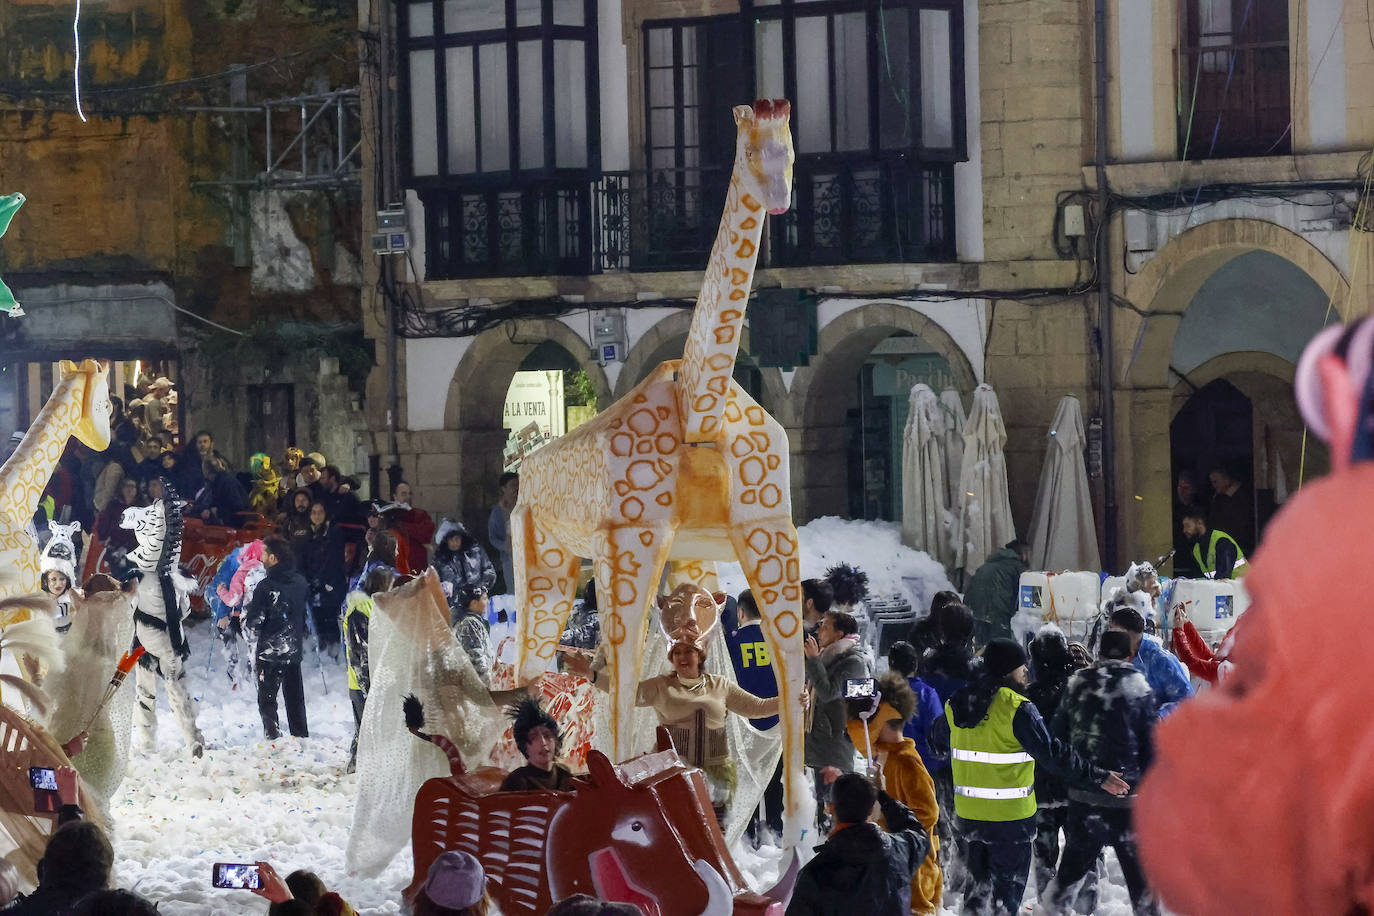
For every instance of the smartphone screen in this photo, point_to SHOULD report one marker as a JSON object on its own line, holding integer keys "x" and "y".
{"x": 858, "y": 687}
{"x": 43, "y": 778}
{"x": 229, "y": 874}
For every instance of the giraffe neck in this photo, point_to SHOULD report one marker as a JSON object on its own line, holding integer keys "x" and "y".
{"x": 24, "y": 476}
{"x": 708, "y": 361}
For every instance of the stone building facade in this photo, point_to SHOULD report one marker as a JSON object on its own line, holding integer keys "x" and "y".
{"x": 156, "y": 232}
{"x": 1229, "y": 222}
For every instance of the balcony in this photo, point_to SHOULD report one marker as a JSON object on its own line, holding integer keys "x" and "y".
{"x": 845, "y": 212}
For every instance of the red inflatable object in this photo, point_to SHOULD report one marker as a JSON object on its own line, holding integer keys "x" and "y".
{"x": 642, "y": 832}
{"x": 1261, "y": 796}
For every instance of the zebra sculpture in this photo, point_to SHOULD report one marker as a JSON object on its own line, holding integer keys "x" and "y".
{"x": 160, "y": 606}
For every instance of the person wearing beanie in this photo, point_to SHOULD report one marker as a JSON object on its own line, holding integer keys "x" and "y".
{"x": 537, "y": 736}
{"x": 1165, "y": 673}
{"x": 456, "y": 885}
{"x": 995, "y": 738}
{"x": 1107, "y": 716}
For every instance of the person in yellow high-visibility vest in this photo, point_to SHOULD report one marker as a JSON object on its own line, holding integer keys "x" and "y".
{"x": 1216, "y": 553}
{"x": 995, "y": 738}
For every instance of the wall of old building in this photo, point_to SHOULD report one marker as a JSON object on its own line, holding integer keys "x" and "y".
{"x": 119, "y": 249}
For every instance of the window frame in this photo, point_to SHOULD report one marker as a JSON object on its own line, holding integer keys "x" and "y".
{"x": 510, "y": 37}
{"x": 788, "y": 11}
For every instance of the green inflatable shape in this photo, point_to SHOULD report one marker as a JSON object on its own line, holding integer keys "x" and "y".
{"x": 9, "y": 205}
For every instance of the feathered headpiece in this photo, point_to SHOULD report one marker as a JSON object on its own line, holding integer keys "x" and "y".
{"x": 850, "y": 584}
{"x": 689, "y": 615}
{"x": 525, "y": 717}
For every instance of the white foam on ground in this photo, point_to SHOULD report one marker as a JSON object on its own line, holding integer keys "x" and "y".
{"x": 290, "y": 803}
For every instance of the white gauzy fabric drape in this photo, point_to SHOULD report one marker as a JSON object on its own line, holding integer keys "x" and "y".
{"x": 1063, "y": 535}
{"x": 952, "y": 408}
{"x": 983, "y": 523}
{"x": 924, "y": 491}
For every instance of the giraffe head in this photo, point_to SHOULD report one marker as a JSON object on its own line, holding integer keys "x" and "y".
{"x": 765, "y": 142}
{"x": 93, "y": 429}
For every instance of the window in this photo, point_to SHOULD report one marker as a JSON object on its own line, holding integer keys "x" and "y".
{"x": 1234, "y": 79}
{"x": 497, "y": 88}
{"x": 863, "y": 76}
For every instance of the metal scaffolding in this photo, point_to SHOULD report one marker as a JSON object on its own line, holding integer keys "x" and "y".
{"x": 305, "y": 142}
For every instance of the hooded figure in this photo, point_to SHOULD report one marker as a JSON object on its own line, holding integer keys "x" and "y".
{"x": 904, "y": 776}
{"x": 1052, "y": 664}
{"x": 462, "y": 566}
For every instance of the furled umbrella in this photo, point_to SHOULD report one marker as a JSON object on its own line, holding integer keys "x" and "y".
{"x": 1063, "y": 535}
{"x": 983, "y": 522}
{"x": 952, "y": 409}
{"x": 924, "y": 492}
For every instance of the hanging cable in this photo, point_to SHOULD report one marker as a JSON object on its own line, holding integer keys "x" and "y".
{"x": 76, "y": 68}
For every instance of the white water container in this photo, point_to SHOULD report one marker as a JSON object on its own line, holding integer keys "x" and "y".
{"x": 1069, "y": 599}
{"x": 1213, "y": 605}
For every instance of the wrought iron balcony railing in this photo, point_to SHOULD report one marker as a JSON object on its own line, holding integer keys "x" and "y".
{"x": 845, "y": 212}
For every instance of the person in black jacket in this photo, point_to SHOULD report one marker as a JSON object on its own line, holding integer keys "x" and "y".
{"x": 222, "y": 500}
{"x": 999, "y": 850}
{"x": 1052, "y": 665}
{"x": 862, "y": 868}
{"x": 277, "y": 616}
{"x": 463, "y": 568}
{"x": 322, "y": 564}
{"x": 1107, "y": 716}
{"x": 991, "y": 593}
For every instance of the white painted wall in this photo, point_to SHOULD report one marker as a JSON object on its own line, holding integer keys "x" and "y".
{"x": 968, "y": 176}
{"x": 1135, "y": 81}
{"x": 430, "y": 364}
{"x": 1325, "y": 77}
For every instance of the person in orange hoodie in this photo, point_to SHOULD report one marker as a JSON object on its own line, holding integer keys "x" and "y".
{"x": 903, "y": 774}
{"x": 1261, "y": 795}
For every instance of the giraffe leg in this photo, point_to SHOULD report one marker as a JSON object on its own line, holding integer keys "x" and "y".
{"x": 765, "y": 540}
{"x": 545, "y": 584}
{"x": 629, "y": 562}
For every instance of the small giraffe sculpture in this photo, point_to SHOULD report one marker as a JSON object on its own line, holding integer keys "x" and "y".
{"x": 79, "y": 406}
{"x": 685, "y": 467}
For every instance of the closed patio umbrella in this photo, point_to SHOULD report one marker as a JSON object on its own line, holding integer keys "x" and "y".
{"x": 1063, "y": 535}
{"x": 952, "y": 408}
{"x": 983, "y": 523}
{"x": 924, "y": 493}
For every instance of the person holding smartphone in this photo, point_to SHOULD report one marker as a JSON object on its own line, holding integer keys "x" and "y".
{"x": 833, "y": 656}
{"x": 77, "y": 859}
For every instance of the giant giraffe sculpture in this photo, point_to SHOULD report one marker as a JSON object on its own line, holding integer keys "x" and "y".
{"x": 685, "y": 467}
{"x": 79, "y": 406}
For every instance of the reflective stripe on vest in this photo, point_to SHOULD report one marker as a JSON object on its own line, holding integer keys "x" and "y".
{"x": 1209, "y": 563}
{"x": 974, "y": 792}
{"x": 989, "y": 757}
{"x": 994, "y": 777}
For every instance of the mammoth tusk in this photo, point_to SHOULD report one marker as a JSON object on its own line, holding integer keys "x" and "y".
{"x": 787, "y": 882}
{"x": 719, "y": 900}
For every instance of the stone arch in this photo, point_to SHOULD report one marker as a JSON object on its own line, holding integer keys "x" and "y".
{"x": 1144, "y": 346}
{"x": 820, "y": 390}
{"x": 477, "y": 390}
{"x": 1166, "y": 285}
{"x": 476, "y": 398}
{"x": 666, "y": 340}
{"x": 822, "y": 393}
